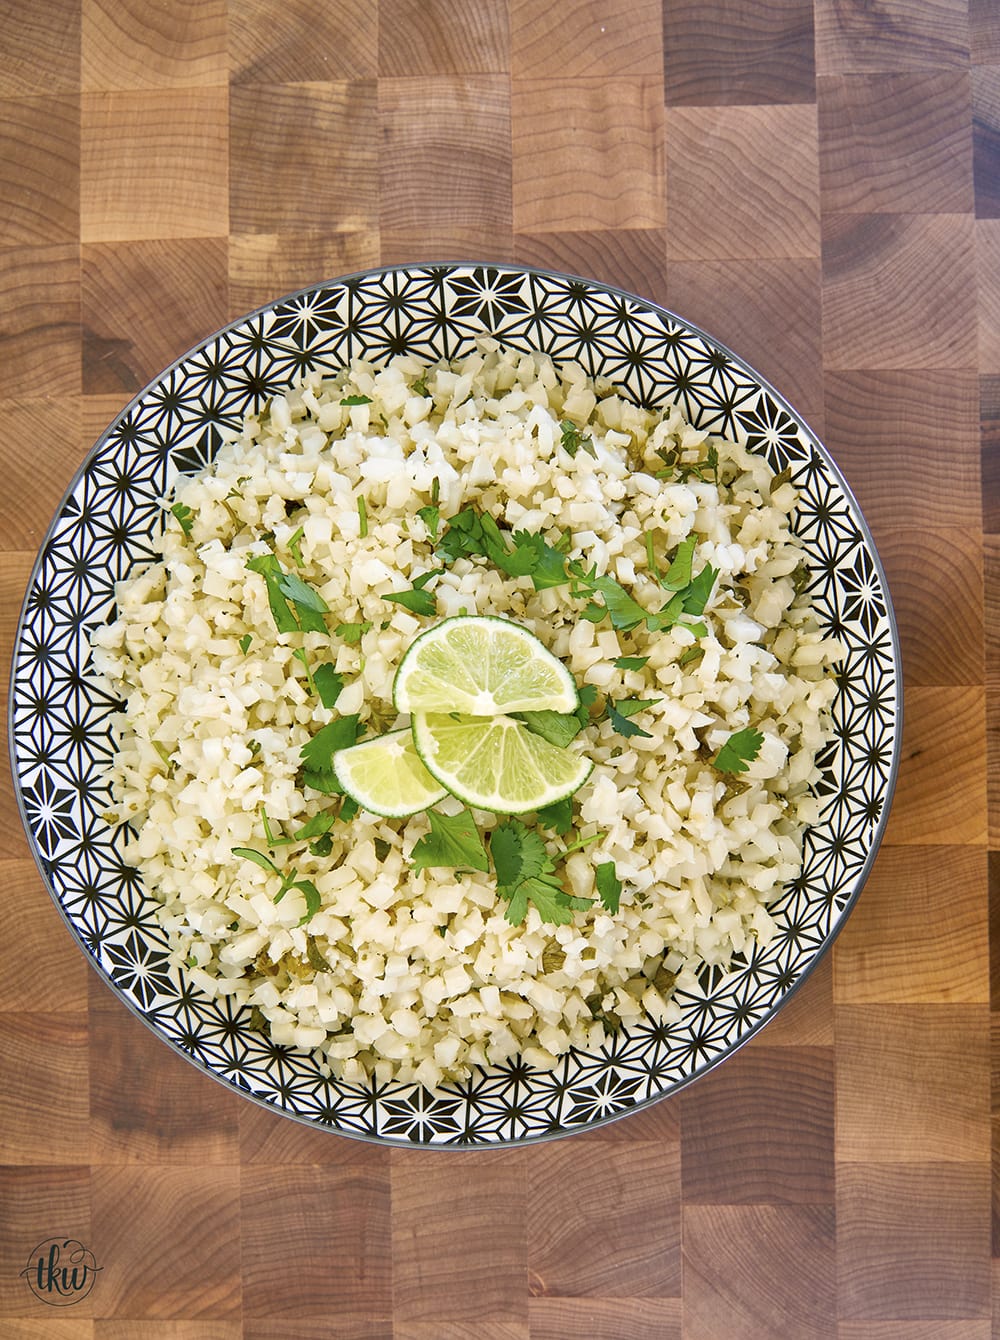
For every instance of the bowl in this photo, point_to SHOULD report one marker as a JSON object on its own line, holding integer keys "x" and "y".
{"x": 60, "y": 731}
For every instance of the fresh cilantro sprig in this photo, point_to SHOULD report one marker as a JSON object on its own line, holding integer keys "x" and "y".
{"x": 289, "y": 880}
{"x": 526, "y": 874}
{"x": 572, "y": 438}
{"x": 184, "y": 515}
{"x": 295, "y": 606}
{"x": 317, "y": 753}
{"x": 739, "y": 751}
{"x": 454, "y": 840}
{"x": 417, "y": 599}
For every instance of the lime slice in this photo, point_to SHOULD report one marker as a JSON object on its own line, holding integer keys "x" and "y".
{"x": 481, "y": 666}
{"x": 496, "y": 763}
{"x": 385, "y": 775}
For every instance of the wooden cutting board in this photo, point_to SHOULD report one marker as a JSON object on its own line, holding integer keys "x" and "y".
{"x": 816, "y": 182}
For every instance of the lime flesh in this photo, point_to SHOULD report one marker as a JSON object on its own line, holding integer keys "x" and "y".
{"x": 385, "y": 775}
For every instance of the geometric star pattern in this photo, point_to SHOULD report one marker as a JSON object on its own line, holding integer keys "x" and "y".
{"x": 108, "y": 522}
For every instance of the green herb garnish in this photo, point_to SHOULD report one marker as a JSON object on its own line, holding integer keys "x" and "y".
{"x": 184, "y": 515}
{"x": 453, "y": 841}
{"x": 739, "y": 751}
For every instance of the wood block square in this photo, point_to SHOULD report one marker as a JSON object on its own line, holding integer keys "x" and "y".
{"x": 587, "y": 155}
{"x": 41, "y": 48}
{"x": 44, "y": 1054}
{"x": 767, "y": 311}
{"x": 986, "y": 139}
{"x": 267, "y": 1137}
{"x": 993, "y": 875}
{"x": 40, "y": 321}
{"x": 883, "y": 429}
{"x": 154, "y": 164}
{"x": 758, "y": 1130}
{"x": 148, "y": 1106}
{"x": 989, "y": 453}
{"x": 169, "y": 1239}
{"x": 442, "y": 37}
{"x": 984, "y": 32}
{"x": 36, "y": 480}
{"x": 729, "y": 167}
{"x": 918, "y": 933}
{"x": 451, "y": 1262}
{"x": 895, "y": 143}
{"x": 605, "y": 1318}
{"x": 315, "y": 1243}
{"x": 632, "y": 1191}
{"x": 913, "y": 1083}
{"x": 299, "y": 42}
{"x": 445, "y": 155}
{"x": 631, "y": 259}
{"x": 35, "y": 1200}
{"x": 991, "y": 585}
{"x": 913, "y": 1241}
{"x": 988, "y": 268}
{"x": 311, "y": 165}
{"x": 759, "y": 1270}
{"x": 41, "y": 967}
{"x": 730, "y": 53}
{"x": 266, "y": 266}
{"x": 349, "y": 1327}
{"x": 167, "y": 1330}
{"x": 899, "y": 291}
{"x": 39, "y": 170}
{"x": 914, "y": 1330}
{"x": 408, "y": 243}
{"x": 935, "y": 652}
{"x": 944, "y": 736}
{"x": 805, "y": 1018}
{"x": 620, "y": 38}
{"x": 129, "y": 44}
{"x": 855, "y": 37}
{"x": 146, "y": 303}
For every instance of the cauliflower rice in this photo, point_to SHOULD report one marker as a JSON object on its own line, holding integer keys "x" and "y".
{"x": 420, "y": 976}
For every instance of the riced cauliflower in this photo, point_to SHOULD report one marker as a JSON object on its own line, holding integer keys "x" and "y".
{"x": 334, "y": 938}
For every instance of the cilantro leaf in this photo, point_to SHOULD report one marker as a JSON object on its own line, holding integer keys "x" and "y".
{"x": 258, "y": 858}
{"x": 620, "y": 711}
{"x": 533, "y": 555}
{"x": 184, "y": 515}
{"x": 316, "y": 826}
{"x": 630, "y": 662}
{"x": 294, "y": 604}
{"x": 245, "y": 641}
{"x": 609, "y": 886}
{"x": 558, "y": 816}
{"x": 341, "y": 733}
{"x": 453, "y": 841}
{"x": 431, "y": 517}
{"x": 328, "y": 684}
{"x": 362, "y": 517}
{"x": 418, "y": 600}
{"x": 312, "y": 896}
{"x": 293, "y": 544}
{"x": 268, "y": 567}
{"x": 518, "y": 852}
{"x": 678, "y": 575}
{"x": 573, "y": 438}
{"x": 739, "y": 751}
{"x": 558, "y": 728}
{"x": 352, "y": 633}
{"x": 697, "y": 594}
{"x": 356, "y": 400}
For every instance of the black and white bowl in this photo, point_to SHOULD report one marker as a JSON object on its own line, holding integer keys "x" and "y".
{"x": 59, "y": 718}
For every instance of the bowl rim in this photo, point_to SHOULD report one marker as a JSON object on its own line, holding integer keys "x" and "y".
{"x": 858, "y": 517}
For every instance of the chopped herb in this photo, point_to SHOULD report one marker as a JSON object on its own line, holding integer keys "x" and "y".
{"x": 558, "y": 816}
{"x": 572, "y": 438}
{"x": 362, "y": 516}
{"x": 739, "y": 751}
{"x": 294, "y": 605}
{"x": 316, "y": 826}
{"x": 609, "y": 886}
{"x": 526, "y": 874}
{"x": 184, "y": 515}
{"x": 419, "y": 387}
{"x": 352, "y": 633}
{"x": 558, "y": 728}
{"x": 317, "y": 753}
{"x": 258, "y": 858}
{"x": 619, "y": 713}
{"x": 254, "y": 747}
{"x": 453, "y": 841}
{"x": 245, "y": 641}
{"x": 416, "y": 599}
{"x": 356, "y": 400}
{"x": 294, "y": 546}
{"x": 315, "y": 956}
{"x": 678, "y": 575}
{"x": 431, "y": 517}
{"x": 328, "y": 684}
{"x": 630, "y": 662}
{"x": 382, "y": 849}
{"x": 322, "y": 846}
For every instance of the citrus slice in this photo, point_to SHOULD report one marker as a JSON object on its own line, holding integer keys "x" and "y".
{"x": 481, "y": 666}
{"x": 385, "y": 775}
{"x": 496, "y": 763}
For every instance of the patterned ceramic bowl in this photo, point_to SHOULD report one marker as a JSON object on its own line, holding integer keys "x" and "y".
{"x": 61, "y": 741}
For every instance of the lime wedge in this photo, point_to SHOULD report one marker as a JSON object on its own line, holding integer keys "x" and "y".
{"x": 481, "y": 666}
{"x": 496, "y": 763}
{"x": 385, "y": 775}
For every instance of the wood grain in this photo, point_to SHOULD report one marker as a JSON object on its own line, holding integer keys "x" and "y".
{"x": 815, "y": 182}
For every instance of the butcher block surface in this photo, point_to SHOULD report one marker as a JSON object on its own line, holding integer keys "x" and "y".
{"x": 815, "y": 182}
